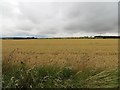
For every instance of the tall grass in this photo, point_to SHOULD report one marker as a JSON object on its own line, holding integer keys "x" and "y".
{"x": 51, "y": 77}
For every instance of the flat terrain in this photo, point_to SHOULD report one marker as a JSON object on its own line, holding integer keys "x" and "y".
{"x": 77, "y": 54}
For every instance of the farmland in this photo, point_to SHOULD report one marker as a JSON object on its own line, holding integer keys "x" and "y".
{"x": 96, "y": 59}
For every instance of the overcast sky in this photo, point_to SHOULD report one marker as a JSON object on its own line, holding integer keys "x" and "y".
{"x": 57, "y": 19}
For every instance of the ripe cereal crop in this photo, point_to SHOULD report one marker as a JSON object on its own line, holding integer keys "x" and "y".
{"x": 94, "y": 57}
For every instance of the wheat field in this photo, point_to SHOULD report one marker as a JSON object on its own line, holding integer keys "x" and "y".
{"x": 78, "y": 54}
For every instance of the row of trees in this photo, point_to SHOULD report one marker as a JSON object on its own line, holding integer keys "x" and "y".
{"x": 85, "y": 37}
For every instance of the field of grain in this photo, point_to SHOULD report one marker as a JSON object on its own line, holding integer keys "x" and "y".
{"x": 76, "y": 54}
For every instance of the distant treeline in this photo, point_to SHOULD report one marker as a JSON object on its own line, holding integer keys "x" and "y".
{"x": 86, "y": 37}
{"x": 19, "y": 38}
{"x": 105, "y": 37}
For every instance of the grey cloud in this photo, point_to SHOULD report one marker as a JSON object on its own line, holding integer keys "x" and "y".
{"x": 25, "y": 25}
{"x": 94, "y": 17}
{"x": 39, "y": 12}
{"x": 59, "y": 19}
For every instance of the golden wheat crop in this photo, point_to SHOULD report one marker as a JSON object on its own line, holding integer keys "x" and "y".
{"x": 75, "y": 53}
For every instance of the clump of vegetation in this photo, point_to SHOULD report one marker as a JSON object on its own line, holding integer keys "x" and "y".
{"x": 51, "y": 77}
